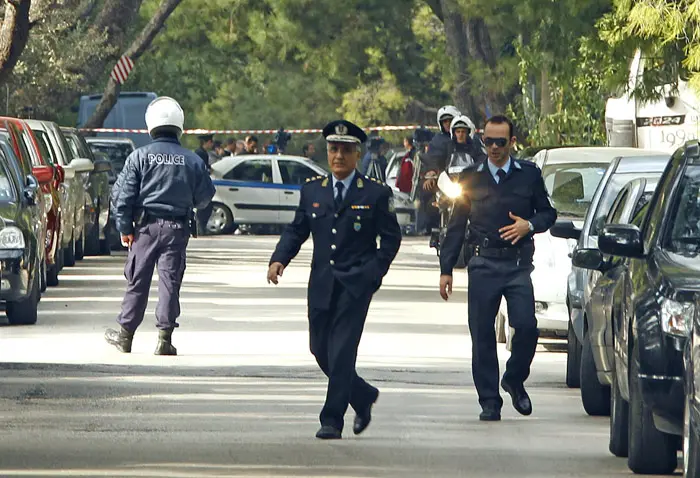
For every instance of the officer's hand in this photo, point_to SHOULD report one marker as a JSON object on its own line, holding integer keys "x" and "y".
{"x": 276, "y": 269}
{"x": 516, "y": 231}
{"x": 127, "y": 240}
{"x": 445, "y": 286}
{"x": 430, "y": 185}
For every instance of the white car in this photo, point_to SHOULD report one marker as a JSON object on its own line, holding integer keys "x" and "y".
{"x": 571, "y": 176}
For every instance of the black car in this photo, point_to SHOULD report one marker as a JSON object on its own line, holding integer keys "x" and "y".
{"x": 691, "y": 409}
{"x": 656, "y": 277}
{"x": 20, "y": 268}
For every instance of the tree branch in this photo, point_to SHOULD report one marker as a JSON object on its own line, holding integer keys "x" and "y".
{"x": 14, "y": 35}
{"x": 436, "y": 8}
{"x": 135, "y": 50}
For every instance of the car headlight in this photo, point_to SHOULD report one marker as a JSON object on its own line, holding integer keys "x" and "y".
{"x": 677, "y": 317}
{"x": 453, "y": 191}
{"x": 11, "y": 238}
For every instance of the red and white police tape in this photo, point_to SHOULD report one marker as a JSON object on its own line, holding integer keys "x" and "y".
{"x": 246, "y": 131}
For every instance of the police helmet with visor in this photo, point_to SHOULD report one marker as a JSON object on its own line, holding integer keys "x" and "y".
{"x": 164, "y": 113}
{"x": 447, "y": 111}
{"x": 462, "y": 121}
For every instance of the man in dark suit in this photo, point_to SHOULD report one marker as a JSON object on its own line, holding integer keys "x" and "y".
{"x": 345, "y": 212}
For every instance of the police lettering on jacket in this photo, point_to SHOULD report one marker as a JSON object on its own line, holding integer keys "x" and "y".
{"x": 167, "y": 159}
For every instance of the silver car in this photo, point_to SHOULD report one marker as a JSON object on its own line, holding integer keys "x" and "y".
{"x": 73, "y": 189}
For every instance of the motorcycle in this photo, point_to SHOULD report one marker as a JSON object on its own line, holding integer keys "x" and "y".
{"x": 449, "y": 191}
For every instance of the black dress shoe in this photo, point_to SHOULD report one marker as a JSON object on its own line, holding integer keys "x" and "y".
{"x": 327, "y": 432}
{"x": 490, "y": 413}
{"x": 521, "y": 400}
{"x": 363, "y": 418}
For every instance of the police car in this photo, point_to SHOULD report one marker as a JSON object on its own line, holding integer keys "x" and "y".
{"x": 258, "y": 189}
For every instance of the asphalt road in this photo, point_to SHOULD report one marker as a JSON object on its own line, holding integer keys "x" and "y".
{"x": 243, "y": 396}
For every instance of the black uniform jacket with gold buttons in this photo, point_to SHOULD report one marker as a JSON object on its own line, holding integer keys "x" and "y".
{"x": 345, "y": 241}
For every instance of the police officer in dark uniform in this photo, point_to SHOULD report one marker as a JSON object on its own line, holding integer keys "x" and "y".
{"x": 344, "y": 212}
{"x": 152, "y": 198}
{"x": 206, "y": 144}
{"x": 506, "y": 203}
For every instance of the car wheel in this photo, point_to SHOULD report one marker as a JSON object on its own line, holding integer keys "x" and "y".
{"x": 80, "y": 247}
{"x": 573, "y": 359}
{"x": 52, "y": 274}
{"x": 24, "y": 312}
{"x": 691, "y": 444}
{"x": 69, "y": 254}
{"x": 43, "y": 278}
{"x": 220, "y": 220}
{"x": 92, "y": 239}
{"x": 501, "y": 327}
{"x": 105, "y": 249}
{"x": 619, "y": 421}
{"x": 651, "y": 452}
{"x": 594, "y": 395}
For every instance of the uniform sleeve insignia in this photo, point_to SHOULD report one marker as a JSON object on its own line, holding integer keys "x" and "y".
{"x": 360, "y": 183}
{"x": 392, "y": 206}
{"x": 325, "y": 183}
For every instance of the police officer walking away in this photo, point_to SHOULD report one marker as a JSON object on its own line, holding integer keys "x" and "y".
{"x": 153, "y": 196}
{"x": 344, "y": 212}
{"x": 506, "y": 203}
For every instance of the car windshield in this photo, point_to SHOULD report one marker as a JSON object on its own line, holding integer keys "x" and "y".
{"x": 612, "y": 189}
{"x": 7, "y": 192}
{"x": 572, "y": 186}
{"x": 117, "y": 153}
{"x": 683, "y": 233}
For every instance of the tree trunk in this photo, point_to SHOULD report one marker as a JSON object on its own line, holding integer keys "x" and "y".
{"x": 14, "y": 34}
{"x": 137, "y": 48}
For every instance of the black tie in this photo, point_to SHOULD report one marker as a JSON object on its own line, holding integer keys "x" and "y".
{"x": 339, "y": 196}
{"x": 501, "y": 175}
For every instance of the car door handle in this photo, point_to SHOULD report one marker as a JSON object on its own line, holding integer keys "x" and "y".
{"x": 233, "y": 189}
{"x": 289, "y": 192}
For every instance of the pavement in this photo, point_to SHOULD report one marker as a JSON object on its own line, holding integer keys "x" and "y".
{"x": 242, "y": 397}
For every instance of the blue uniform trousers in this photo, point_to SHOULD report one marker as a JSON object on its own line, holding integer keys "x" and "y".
{"x": 334, "y": 338}
{"x": 490, "y": 280}
{"x": 161, "y": 243}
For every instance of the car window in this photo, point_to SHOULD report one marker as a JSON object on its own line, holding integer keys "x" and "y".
{"x": 256, "y": 170}
{"x": 572, "y": 186}
{"x": 612, "y": 189}
{"x": 683, "y": 235}
{"x": 117, "y": 153}
{"x": 654, "y": 219}
{"x": 294, "y": 172}
{"x": 616, "y": 214}
{"x": 72, "y": 142}
{"x": 43, "y": 140}
{"x": 43, "y": 151}
{"x": 7, "y": 190}
{"x": 25, "y": 159}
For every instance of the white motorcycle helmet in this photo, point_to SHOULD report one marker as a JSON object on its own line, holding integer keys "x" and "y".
{"x": 165, "y": 111}
{"x": 462, "y": 121}
{"x": 445, "y": 111}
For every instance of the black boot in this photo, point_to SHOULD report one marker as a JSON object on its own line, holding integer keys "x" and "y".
{"x": 121, "y": 339}
{"x": 165, "y": 346}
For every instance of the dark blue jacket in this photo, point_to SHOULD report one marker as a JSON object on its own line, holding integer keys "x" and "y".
{"x": 485, "y": 205}
{"x": 345, "y": 242}
{"x": 162, "y": 178}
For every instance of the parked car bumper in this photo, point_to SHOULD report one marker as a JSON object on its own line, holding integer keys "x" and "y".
{"x": 14, "y": 275}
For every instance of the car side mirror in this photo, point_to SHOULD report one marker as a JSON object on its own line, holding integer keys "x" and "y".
{"x": 624, "y": 240}
{"x": 565, "y": 230}
{"x": 30, "y": 190}
{"x": 68, "y": 172}
{"x": 591, "y": 259}
{"x": 43, "y": 174}
{"x": 102, "y": 166}
{"x": 82, "y": 165}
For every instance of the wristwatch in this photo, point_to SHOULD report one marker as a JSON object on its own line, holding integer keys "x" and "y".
{"x": 532, "y": 228}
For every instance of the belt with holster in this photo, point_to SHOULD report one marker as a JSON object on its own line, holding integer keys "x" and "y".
{"x": 148, "y": 217}
{"x": 485, "y": 249}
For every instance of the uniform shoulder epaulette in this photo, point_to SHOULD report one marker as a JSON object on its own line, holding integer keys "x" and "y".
{"x": 526, "y": 163}
{"x": 316, "y": 178}
{"x": 380, "y": 183}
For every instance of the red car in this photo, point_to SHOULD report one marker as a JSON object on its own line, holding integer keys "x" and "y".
{"x": 34, "y": 154}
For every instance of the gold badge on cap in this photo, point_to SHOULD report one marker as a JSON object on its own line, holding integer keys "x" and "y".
{"x": 341, "y": 129}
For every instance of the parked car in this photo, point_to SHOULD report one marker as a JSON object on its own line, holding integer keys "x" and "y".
{"x": 691, "y": 407}
{"x": 21, "y": 245}
{"x": 129, "y": 112}
{"x": 571, "y": 175}
{"x": 406, "y": 211}
{"x": 622, "y": 169}
{"x": 597, "y": 353}
{"x": 41, "y": 161}
{"x": 73, "y": 189}
{"x": 116, "y": 149}
{"x": 656, "y": 279}
{"x": 97, "y": 199}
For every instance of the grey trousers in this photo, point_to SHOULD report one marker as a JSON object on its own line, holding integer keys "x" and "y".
{"x": 159, "y": 243}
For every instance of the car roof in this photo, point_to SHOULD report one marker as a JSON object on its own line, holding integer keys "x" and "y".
{"x": 642, "y": 164}
{"x": 93, "y": 139}
{"x": 594, "y": 154}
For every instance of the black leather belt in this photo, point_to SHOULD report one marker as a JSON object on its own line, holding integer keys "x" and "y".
{"x": 499, "y": 252}
{"x": 166, "y": 217}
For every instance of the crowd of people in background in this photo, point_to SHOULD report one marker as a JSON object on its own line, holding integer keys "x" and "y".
{"x": 211, "y": 150}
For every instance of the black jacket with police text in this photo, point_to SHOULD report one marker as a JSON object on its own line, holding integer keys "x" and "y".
{"x": 162, "y": 178}
{"x": 486, "y": 205}
{"x": 345, "y": 241}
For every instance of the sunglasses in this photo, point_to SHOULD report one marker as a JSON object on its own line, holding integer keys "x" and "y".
{"x": 500, "y": 142}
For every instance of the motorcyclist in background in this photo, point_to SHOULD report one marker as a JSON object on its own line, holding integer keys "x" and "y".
{"x": 464, "y": 149}
{"x": 439, "y": 148}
